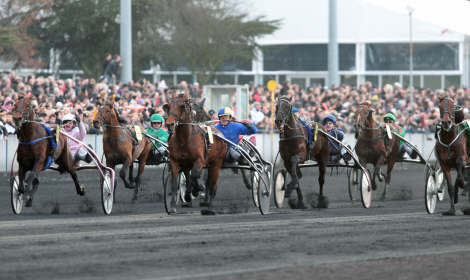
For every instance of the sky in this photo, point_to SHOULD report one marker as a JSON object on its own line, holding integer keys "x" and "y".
{"x": 451, "y": 14}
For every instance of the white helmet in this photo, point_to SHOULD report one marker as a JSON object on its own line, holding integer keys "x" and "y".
{"x": 68, "y": 117}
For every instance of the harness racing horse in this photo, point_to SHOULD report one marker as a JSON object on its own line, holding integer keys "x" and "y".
{"x": 38, "y": 149}
{"x": 451, "y": 150}
{"x": 121, "y": 147}
{"x": 371, "y": 145}
{"x": 188, "y": 152}
{"x": 294, "y": 150}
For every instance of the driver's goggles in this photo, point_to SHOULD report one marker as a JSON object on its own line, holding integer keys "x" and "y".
{"x": 387, "y": 120}
{"x": 224, "y": 118}
{"x": 156, "y": 122}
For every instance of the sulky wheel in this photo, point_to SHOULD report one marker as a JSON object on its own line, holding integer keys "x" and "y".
{"x": 17, "y": 198}
{"x": 279, "y": 187}
{"x": 167, "y": 192}
{"x": 254, "y": 187}
{"x": 366, "y": 188}
{"x": 430, "y": 193}
{"x": 264, "y": 191}
{"x": 353, "y": 184}
{"x": 107, "y": 192}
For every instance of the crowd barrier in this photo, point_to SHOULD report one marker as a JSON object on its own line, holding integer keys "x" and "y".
{"x": 267, "y": 143}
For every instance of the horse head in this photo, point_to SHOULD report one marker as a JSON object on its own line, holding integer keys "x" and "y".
{"x": 22, "y": 110}
{"x": 178, "y": 109}
{"x": 446, "y": 107}
{"x": 365, "y": 117}
{"x": 283, "y": 112}
{"x": 200, "y": 114}
{"x": 106, "y": 115}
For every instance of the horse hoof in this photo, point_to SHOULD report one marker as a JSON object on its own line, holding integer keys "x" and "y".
{"x": 207, "y": 212}
{"x": 82, "y": 190}
{"x": 29, "y": 202}
{"x": 323, "y": 202}
{"x": 292, "y": 203}
{"x": 187, "y": 196}
{"x": 187, "y": 204}
{"x": 466, "y": 211}
{"x": 301, "y": 205}
{"x": 450, "y": 212}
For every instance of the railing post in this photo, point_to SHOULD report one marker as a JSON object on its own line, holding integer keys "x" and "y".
{"x": 6, "y": 155}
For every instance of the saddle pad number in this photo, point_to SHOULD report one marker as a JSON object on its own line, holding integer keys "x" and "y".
{"x": 211, "y": 137}
{"x": 138, "y": 133}
{"x": 389, "y": 133}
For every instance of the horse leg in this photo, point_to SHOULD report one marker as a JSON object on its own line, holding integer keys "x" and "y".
{"x": 21, "y": 175}
{"x": 174, "y": 171}
{"x": 142, "y": 162}
{"x": 33, "y": 181}
{"x": 450, "y": 189}
{"x": 294, "y": 160}
{"x": 131, "y": 173}
{"x": 213, "y": 177}
{"x": 322, "y": 200}
{"x": 122, "y": 173}
{"x": 195, "y": 175}
{"x": 79, "y": 188}
{"x": 460, "y": 180}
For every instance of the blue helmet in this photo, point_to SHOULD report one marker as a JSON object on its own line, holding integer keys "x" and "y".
{"x": 225, "y": 111}
{"x": 295, "y": 110}
{"x": 329, "y": 118}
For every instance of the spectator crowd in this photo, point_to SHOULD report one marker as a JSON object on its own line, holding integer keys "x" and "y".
{"x": 138, "y": 100}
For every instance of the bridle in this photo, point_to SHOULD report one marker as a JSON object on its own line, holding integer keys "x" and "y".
{"x": 25, "y": 116}
{"x": 361, "y": 122}
{"x": 447, "y": 110}
{"x": 284, "y": 117}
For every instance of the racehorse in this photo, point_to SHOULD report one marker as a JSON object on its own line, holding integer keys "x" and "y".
{"x": 38, "y": 149}
{"x": 371, "y": 145}
{"x": 451, "y": 149}
{"x": 188, "y": 151}
{"x": 120, "y": 146}
{"x": 294, "y": 150}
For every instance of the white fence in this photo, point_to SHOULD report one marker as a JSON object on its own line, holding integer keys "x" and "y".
{"x": 268, "y": 145}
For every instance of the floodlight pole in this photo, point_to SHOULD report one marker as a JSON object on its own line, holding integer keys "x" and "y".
{"x": 410, "y": 13}
{"x": 333, "y": 64}
{"x": 126, "y": 40}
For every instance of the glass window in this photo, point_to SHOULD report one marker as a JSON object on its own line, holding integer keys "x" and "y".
{"x": 390, "y": 79}
{"x": 306, "y": 57}
{"x": 432, "y": 81}
{"x": 416, "y": 81}
{"x": 426, "y": 56}
{"x": 168, "y": 79}
{"x": 374, "y": 79}
{"x": 225, "y": 79}
{"x": 453, "y": 80}
{"x": 317, "y": 81}
{"x": 245, "y": 79}
{"x": 187, "y": 78}
{"x": 298, "y": 81}
{"x": 347, "y": 57}
{"x": 267, "y": 78}
{"x": 350, "y": 80}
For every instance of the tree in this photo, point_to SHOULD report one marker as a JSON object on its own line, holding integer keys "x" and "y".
{"x": 16, "y": 45}
{"x": 203, "y": 35}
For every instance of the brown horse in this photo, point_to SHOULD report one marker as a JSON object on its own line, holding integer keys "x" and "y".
{"x": 35, "y": 151}
{"x": 121, "y": 147}
{"x": 294, "y": 150}
{"x": 451, "y": 150}
{"x": 371, "y": 147}
{"x": 188, "y": 153}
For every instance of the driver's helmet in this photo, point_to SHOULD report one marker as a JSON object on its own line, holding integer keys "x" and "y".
{"x": 390, "y": 118}
{"x": 156, "y": 118}
{"x": 68, "y": 118}
{"x": 330, "y": 118}
{"x": 294, "y": 110}
{"x": 225, "y": 113}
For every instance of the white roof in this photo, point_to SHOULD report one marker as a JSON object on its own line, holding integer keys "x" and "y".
{"x": 306, "y": 21}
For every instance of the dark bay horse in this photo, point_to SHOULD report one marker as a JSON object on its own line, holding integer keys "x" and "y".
{"x": 189, "y": 153}
{"x": 371, "y": 145}
{"x": 36, "y": 152}
{"x": 121, "y": 147}
{"x": 294, "y": 150}
{"x": 451, "y": 149}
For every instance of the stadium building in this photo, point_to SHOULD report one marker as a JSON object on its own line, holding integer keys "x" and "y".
{"x": 374, "y": 45}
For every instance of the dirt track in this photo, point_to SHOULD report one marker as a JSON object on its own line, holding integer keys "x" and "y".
{"x": 395, "y": 239}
